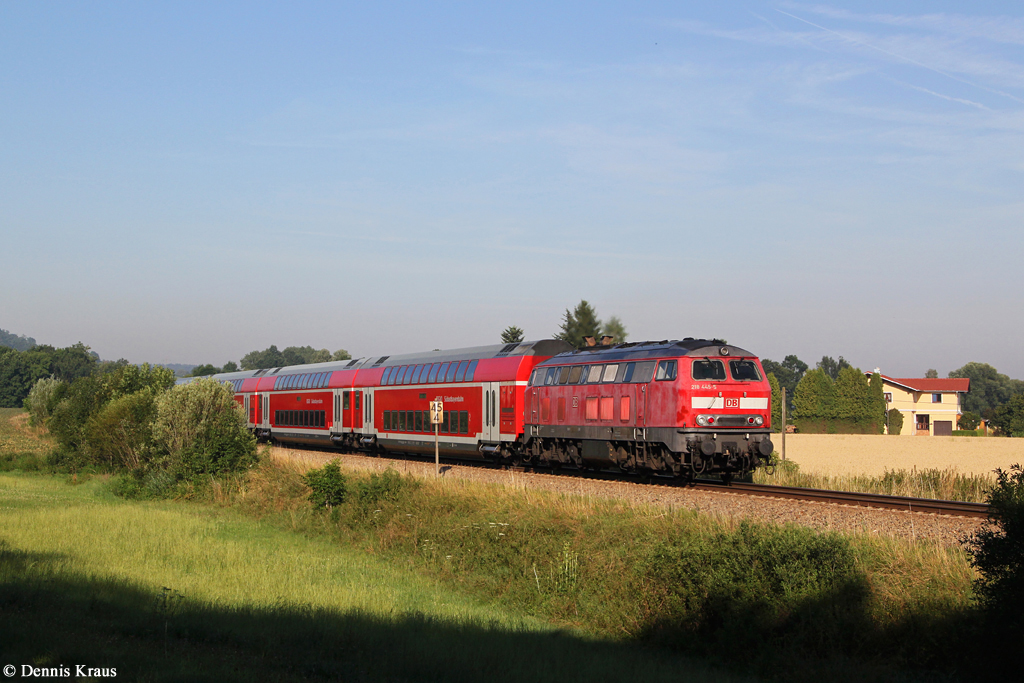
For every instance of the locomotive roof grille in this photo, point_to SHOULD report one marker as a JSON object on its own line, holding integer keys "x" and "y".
{"x": 650, "y": 349}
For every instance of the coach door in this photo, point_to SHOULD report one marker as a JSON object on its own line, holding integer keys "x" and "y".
{"x": 491, "y": 417}
{"x": 367, "y": 423}
{"x": 641, "y": 405}
{"x": 357, "y": 410}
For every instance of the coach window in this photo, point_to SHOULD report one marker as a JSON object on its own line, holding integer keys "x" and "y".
{"x": 419, "y": 421}
{"x": 471, "y": 371}
{"x": 595, "y": 374}
{"x": 387, "y": 420}
{"x": 563, "y": 374}
{"x": 453, "y": 368}
{"x": 359, "y": 400}
{"x": 384, "y": 377}
{"x": 402, "y": 373}
{"x": 708, "y": 369}
{"x": 463, "y": 422}
{"x": 609, "y": 373}
{"x": 397, "y": 377}
{"x": 433, "y": 373}
{"x": 666, "y": 370}
{"x": 442, "y": 372}
{"x": 345, "y": 400}
{"x": 574, "y": 374}
{"x": 444, "y": 421}
{"x": 414, "y": 377}
{"x": 744, "y": 371}
{"x": 460, "y": 374}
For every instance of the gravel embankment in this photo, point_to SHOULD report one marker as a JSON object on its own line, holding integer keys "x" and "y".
{"x": 910, "y": 525}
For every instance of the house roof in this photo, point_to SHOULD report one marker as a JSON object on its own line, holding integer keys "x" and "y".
{"x": 929, "y": 384}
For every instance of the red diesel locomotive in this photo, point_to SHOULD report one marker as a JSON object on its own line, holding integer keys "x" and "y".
{"x": 680, "y": 408}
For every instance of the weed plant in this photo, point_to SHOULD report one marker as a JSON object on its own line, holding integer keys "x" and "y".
{"x": 948, "y": 484}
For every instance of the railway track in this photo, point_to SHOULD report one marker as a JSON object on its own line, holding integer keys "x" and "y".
{"x": 870, "y": 500}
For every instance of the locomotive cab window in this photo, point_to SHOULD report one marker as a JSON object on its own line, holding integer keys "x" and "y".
{"x": 744, "y": 371}
{"x": 708, "y": 369}
{"x": 533, "y": 378}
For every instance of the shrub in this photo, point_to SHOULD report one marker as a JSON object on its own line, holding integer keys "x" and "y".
{"x": 895, "y": 421}
{"x": 43, "y": 398}
{"x": 997, "y": 550}
{"x": 328, "y": 485}
{"x": 969, "y": 421}
{"x": 120, "y": 434}
{"x": 731, "y": 586}
{"x": 387, "y": 486}
{"x": 201, "y": 429}
{"x": 1009, "y": 417}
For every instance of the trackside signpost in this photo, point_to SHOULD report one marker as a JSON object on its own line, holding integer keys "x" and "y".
{"x": 436, "y": 411}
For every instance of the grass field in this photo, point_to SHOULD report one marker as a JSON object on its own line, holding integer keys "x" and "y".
{"x": 175, "y": 591}
{"x": 872, "y": 455}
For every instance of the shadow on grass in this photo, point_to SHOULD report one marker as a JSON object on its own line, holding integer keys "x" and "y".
{"x": 49, "y": 619}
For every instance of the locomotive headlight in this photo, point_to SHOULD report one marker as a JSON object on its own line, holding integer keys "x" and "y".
{"x": 702, "y": 420}
{"x": 758, "y": 420}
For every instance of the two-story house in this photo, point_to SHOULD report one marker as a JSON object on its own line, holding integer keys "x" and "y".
{"x": 930, "y": 407}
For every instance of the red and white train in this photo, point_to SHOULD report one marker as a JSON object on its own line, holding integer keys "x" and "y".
{"x": 680, "y": 408}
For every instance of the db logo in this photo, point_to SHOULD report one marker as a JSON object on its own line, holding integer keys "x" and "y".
{"x": 732, "y": 403}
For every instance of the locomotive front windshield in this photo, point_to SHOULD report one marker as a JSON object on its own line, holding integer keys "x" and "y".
{"x": 744, "y": 371}
{"x": 709, "y": 369}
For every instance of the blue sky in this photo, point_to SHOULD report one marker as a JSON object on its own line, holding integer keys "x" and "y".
{"x": 186, "y": 183}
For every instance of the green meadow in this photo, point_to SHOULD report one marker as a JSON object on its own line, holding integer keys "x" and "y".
{"x": 167, "y": 591}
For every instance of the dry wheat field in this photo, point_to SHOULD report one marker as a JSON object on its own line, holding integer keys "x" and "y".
{"x": 871, "y": 455}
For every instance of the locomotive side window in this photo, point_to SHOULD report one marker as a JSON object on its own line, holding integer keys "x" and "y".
{"x": 628, "y": 375}
{"x": 563, "y": 374}
{"x": 666, "y": 370}
{"x": 595, "y": 375}
{"x": 549, "y": 378}
{"x": 708, "y": 369}
{"x": 609, "y": 373}
{"x": 744, "y": 371}
{"x": 644, "y": 371}
{"x": 574, "y": 374}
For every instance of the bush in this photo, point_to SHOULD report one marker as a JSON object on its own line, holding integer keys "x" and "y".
{"x": 201, "y": 429}
{"x": 328, "y": 485}
{"x": 43, "y": 398}
{"x": 895, "y": 421}
{"x": 1009, "y": 417}
{"x": 969, "y": 421}
{"x": 120, "y": 434}
{"x": 997, "y": 550}
{"x": 385, "y": 487}
{"x": 733, "y": 586}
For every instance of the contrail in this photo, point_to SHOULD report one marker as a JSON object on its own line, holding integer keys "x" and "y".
{"x": 897, "y": 56}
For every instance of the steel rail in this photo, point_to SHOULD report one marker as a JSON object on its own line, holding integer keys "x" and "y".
{"x": 873, "y": 500}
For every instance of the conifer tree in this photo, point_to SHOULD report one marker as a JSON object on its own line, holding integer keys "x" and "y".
{"x": 578, "y": 324}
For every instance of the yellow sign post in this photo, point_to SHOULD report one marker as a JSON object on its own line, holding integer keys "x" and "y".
{"x": 436, "y": 412}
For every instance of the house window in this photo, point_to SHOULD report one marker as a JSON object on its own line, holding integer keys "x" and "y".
{"x": 936, "y": 398}
{"x": 888, "y": 397}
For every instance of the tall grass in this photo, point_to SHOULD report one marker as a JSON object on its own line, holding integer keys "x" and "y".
{"x": 788, "y": 598}
{"x": 168, "y": 591}
{"x": 22, "y": 446}
{"x": 946, "y": 484}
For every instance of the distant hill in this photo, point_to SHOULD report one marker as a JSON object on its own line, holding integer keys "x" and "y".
{"x": 179, "y": 369}
{"x": 21, "y": 343}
